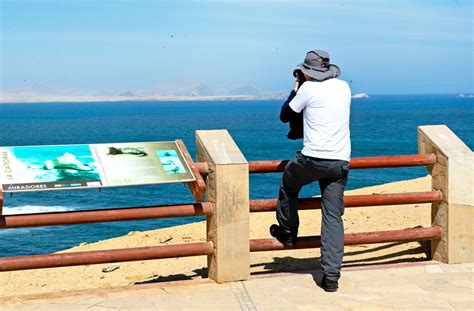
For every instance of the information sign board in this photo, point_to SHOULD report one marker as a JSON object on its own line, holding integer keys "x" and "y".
{"x": 32, "y": 168}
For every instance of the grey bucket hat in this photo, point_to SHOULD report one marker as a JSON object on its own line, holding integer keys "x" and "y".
{"x": 316, "y": 65}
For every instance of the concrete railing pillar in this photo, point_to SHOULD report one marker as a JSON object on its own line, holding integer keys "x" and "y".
{"x": 453, "y": 175}
{"x": 227, "y": 187}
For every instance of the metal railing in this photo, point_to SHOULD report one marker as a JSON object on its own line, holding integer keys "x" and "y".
{"x": 355, "y": 163}
{"x": 104, "y": 215}
{"x": 413, "y": 234}
{"x": 206, "y": 209}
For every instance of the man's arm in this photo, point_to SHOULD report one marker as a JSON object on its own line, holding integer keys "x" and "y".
{"x": 287, "y": 113}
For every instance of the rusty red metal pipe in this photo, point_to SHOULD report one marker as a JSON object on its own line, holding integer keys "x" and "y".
{"x": 199, "y": 180}
{"x": 356, "y": 200}
{"x": 106, "y": 256}
{"x": 393, "y": 161}
{"x": 406, "y": 235}
{"x": 198, "y": 188}
{"x": 199, "y": 209}
{"x": 204, "y": 248}
{"x": 274, "y": 166}
{"x": 105, "y": 215}
{"x": 202, "y": 167}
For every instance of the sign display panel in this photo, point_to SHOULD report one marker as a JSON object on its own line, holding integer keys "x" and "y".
{"x": 31, "y": 168}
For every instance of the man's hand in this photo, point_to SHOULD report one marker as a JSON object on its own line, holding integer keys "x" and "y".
{"x": 297, "y": 84}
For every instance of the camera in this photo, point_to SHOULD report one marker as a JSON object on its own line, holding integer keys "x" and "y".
{"x": 297, "y": 73}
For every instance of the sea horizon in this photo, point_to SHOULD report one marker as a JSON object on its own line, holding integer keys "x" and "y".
{"x": 54, "y": 99}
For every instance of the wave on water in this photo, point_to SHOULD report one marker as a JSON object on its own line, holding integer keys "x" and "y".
{"x": 32, "y": 209}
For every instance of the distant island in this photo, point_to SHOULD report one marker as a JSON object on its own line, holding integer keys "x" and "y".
{"x": 28, "y": 97}
{"x": 462, "y": 95}
{"x": 177, "y": 90}
{"x": 360, "y": 95}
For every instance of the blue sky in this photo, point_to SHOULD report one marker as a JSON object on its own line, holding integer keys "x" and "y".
{"x": 383, "y": 47}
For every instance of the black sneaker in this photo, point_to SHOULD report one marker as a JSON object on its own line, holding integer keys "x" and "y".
{"x": 329, "y": 286}
{"x": 285, "y": 238}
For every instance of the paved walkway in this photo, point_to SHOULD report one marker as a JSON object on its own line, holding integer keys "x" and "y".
{"x": 429, "y": 285}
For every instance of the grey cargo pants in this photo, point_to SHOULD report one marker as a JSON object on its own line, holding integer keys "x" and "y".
{"x": 332, "y": 178}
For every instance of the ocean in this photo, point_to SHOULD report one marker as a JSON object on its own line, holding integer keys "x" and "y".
{"x": 380, "y": 125}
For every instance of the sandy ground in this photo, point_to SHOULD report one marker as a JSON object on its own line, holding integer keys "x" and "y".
{"x": 356, "y": 220}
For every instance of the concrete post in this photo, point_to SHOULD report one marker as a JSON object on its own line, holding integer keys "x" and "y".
{"x": 453, "y": 175}
{"x": 227, "y": 187}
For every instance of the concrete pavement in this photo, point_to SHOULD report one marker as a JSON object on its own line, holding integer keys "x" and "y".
{"x": 428, "y": 285}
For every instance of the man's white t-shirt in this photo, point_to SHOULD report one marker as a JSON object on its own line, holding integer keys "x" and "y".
{"x": 326, "y": 112}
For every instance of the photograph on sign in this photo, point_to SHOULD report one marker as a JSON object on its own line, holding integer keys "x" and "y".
{"x": 141, "y": 163}
{"x": 170, "y": 161}
{"x": 48, "y": 167}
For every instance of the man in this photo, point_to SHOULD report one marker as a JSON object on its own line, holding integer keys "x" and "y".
{"x": 325, "y": 102}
